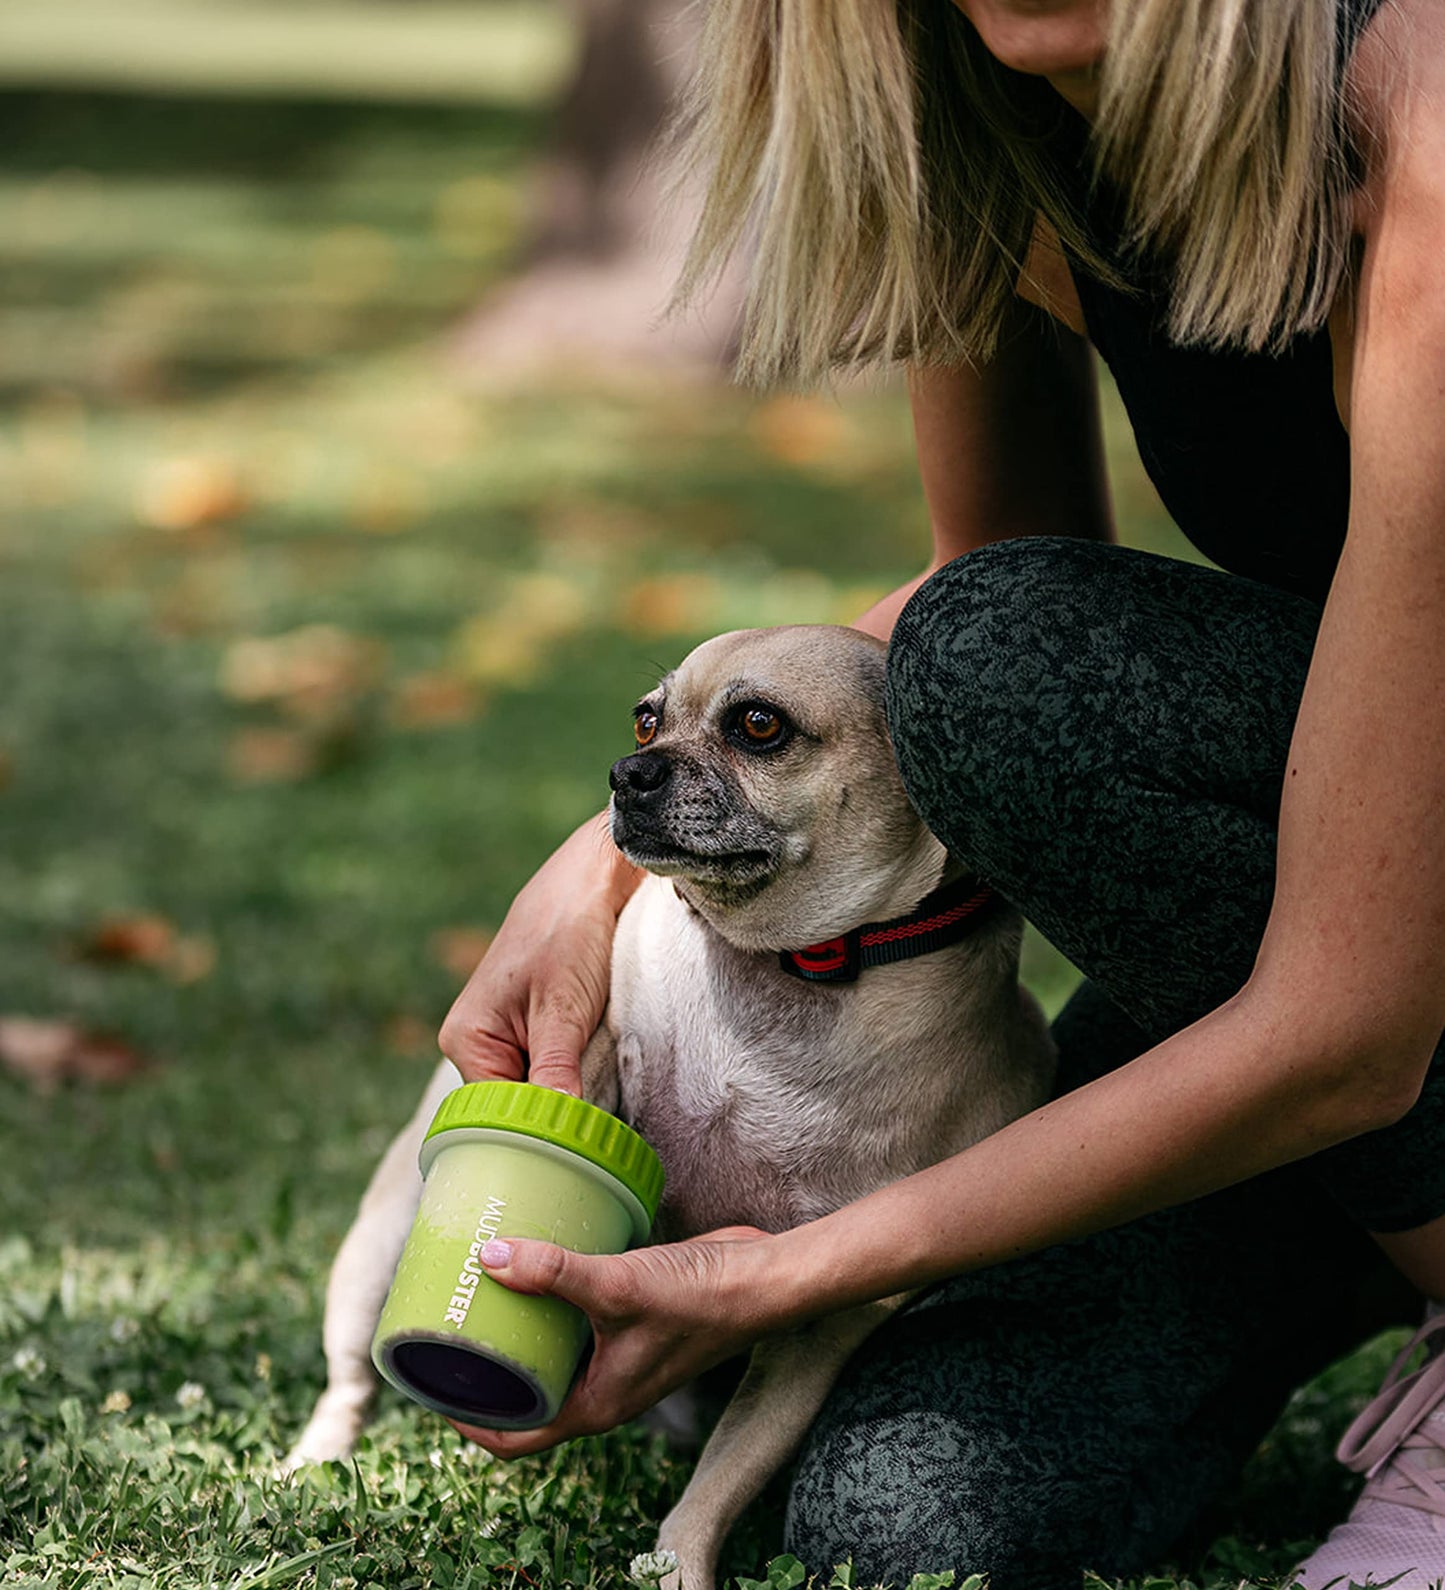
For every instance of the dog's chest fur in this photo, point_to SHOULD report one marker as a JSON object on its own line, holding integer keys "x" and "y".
{"x": 772, "y": 1101}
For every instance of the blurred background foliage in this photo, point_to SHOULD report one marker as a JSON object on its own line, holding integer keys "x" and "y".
{"x": 320, "y": 629}
{"x": 326, "y": 586}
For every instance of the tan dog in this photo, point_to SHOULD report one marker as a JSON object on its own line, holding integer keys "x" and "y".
{"x": 809, "y": 1001}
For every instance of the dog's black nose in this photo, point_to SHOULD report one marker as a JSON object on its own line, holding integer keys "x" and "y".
{"x": 636, "y": 777}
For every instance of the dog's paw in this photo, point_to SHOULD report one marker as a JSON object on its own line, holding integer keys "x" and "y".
{"x": 658, "y": 1570}
{"x": 307, "y": 1454}
{"x": 329, "y": 1437}
{"x": 680, "y": 1563}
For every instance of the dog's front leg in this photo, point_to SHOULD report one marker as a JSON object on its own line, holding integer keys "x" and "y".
{"x": 787, "y": 1380}
{"x": 600, "y": 1082}
{"x": 358, "y": 1285}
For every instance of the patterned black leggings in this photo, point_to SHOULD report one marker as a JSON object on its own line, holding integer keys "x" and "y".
{"x": 1102, "y": 733}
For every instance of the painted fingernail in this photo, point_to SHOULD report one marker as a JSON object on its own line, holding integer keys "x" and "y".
{"x": 496, "y": 1255}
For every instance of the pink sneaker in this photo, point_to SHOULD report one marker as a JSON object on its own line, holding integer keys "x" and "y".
{"x": 1395, "y": 1534}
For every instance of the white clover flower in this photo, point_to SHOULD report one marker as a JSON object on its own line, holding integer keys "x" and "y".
{"x": 30, "y": 1362}
{"x": 649, "y": 1567}
{"x": 117, "y": 1402}
{"x": 191, "y": 1395}
{"x": 124, "y": 1328}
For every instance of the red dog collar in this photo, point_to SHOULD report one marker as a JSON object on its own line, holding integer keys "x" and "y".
{"x": 939, "y": 919}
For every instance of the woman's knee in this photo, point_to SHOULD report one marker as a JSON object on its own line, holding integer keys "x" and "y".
{"x": 926, "y": 1491}
{"x": 900, "y": 1497}
{"x": 982, "y": 714}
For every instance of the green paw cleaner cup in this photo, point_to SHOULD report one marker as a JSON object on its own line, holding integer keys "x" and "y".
{"x": 507, "y": 1159}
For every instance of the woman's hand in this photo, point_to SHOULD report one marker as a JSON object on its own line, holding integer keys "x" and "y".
{"x": 660, "y": 1316}
{"x": 540, "y": 990}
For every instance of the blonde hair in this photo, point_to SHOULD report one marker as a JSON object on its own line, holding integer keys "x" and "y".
{"x": 887, "y": 173}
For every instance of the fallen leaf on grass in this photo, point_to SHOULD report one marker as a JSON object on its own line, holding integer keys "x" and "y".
{"x": 320, "y": 676}
{"x": 671, "y": 604}
{"x": 190, "y": 494}
{"x": 432, "y": 701}
{"x": 271, "y": 756}
{"x": 99, "y": 1057}
{"x": 458, "y": 949}
{"x": 150, "y": 940}
{"x": 47, "y": 1053}
{"x": 313, "y": 673}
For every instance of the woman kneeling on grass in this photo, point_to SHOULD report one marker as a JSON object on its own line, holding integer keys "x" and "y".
{"x": 1222, "y": 795}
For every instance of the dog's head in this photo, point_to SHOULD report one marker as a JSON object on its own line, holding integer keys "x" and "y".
{"x": 765, "y": 785}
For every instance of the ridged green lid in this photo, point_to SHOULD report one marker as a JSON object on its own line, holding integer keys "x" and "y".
{"x": 559, "y": 1119}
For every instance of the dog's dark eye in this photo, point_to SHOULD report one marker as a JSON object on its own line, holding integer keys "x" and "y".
{"x": 761, "y": 725}
{"x": 755, "y": 726}
{"x": 644, "y": 725}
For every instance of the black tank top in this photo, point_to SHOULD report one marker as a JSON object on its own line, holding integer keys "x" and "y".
{"x": 1246, "y": 449}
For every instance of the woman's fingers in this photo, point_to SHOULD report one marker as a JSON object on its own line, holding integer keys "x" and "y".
{"x": 582, "y": 1279}
{"x": 599, "y": 1286}
{"x": 557, "y": 1035}
{"x": 478, "y": 1054}
{"x": 489, "y": 1033}
{"x": 664, "y": 1282}
{"x": 660, "y": 1316}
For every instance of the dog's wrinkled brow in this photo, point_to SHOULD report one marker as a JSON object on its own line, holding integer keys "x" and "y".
{"x": 740, "y": 690}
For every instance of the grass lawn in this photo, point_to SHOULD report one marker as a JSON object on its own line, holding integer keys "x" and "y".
{"x": 314, "y": 643}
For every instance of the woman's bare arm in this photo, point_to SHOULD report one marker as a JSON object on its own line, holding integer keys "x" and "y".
{"x": 1009, "y": 449}
{"x": 1013, "y": 448}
